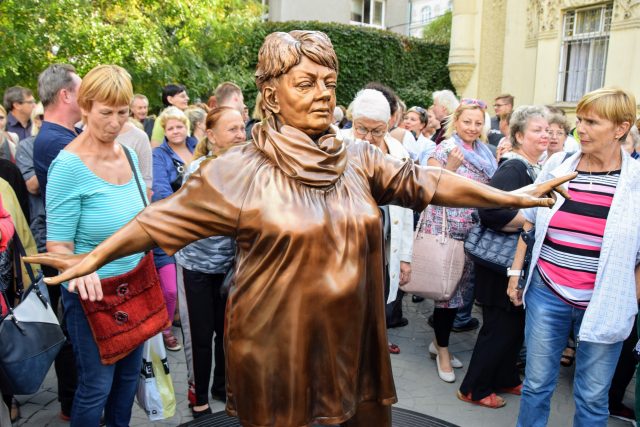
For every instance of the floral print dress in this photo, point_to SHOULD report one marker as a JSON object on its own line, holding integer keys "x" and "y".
{"x": 459, "y": 221}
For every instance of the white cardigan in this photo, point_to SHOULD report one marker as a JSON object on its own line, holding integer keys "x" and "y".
{"x": 400, "y": 247}
{"x": 612, "y": 310}
{"x": 401, "y": 235}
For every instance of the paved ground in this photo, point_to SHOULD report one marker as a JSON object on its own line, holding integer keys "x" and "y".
{"x": 417, "y": 383}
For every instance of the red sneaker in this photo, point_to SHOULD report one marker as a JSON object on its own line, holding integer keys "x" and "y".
{"x": 191, "y": 394}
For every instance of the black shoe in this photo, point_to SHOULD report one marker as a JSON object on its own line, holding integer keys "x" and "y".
{"x": 622, "y": 412}
{"x": 198, "y": 414}
{"x": 219, "y": 396}
{"x": 470, "y": 326}
{"x": 416, "y": 298}
{"x": 430, "y": 320}
{"x": 399, "y": 324}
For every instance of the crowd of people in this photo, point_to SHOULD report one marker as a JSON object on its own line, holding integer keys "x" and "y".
{"x": 67, "y": 184}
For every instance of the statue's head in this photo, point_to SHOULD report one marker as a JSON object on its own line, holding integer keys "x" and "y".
{"x": 297, "y": 75}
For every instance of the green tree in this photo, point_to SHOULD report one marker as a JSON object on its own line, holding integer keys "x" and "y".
{"x": 438, "y": 31}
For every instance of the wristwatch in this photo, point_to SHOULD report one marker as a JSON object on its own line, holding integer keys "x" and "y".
{"x": 516, "y": 273}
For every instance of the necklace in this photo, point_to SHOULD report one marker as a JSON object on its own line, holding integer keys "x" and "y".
{"x": 589, "y": 167}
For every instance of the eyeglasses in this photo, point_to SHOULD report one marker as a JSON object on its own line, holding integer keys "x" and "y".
{"x": 362, "y": 131}
{"x": 557, "y": 134}
{"x": 29, "y": 101}
{"x": 499, "y": 105}
{"x": 472, "y": 101}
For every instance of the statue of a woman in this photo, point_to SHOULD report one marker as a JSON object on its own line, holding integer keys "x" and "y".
{"x": 305, "y": 331}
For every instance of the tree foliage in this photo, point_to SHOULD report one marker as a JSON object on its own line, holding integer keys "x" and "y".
{"x": 438, "y": 31}
{"x": 199, "y": 44}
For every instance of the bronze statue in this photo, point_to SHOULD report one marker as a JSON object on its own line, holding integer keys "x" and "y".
{"x": 305, "y": 334}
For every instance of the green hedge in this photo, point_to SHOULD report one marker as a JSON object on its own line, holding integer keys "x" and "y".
{"x": 413, "y": 67}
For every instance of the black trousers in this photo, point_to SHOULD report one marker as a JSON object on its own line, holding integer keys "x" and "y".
{"x": 206, "y": 307}
{"x": 65, "y": 362}
{"x": 493, "y": 362}
{"x": 443, "y": 319}
{"x": 625, "y": 369}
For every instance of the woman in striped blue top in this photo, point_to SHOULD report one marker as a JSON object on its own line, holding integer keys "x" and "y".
{"x": 91, "y": 193}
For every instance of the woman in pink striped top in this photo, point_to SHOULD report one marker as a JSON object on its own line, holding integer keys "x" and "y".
{"x": 583, "y": 263}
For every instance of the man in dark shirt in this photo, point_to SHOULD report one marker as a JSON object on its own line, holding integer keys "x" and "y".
{"x": 140, "y": 112}
{"x": 19, "y": 103}
{"x": 58, "y": 87}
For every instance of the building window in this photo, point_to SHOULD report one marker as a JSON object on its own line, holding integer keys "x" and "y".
{"x": 426, "y": 14}
{"x": 367, "y": 12}
{"x": 584, "y": 51}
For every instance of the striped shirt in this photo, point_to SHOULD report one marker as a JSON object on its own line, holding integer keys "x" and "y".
{"x": 85, "y": 209}
{"x": 571, "y": 249}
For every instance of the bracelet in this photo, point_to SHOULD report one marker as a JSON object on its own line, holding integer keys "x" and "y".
{"x": 514, "y": 273}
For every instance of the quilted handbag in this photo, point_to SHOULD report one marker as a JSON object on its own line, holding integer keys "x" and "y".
{"x": 437, "y": 264}
{"x": 30, "y": 334}
{"x": 490, "y": 248}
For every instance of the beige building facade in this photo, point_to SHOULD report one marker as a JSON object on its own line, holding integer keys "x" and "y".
{"x": 391, "y": 15}
{"x": 544, "y": 51}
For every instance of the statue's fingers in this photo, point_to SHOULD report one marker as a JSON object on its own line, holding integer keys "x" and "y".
{"x": 563, "y": 192}
{"x": 63, "y": 277}
{"x": 556, "y": 182}
{"x": 52, "y": 260}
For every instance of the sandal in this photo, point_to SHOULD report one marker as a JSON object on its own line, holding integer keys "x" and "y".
{"x": 492, "y": 401}
{"x": 394, "y": 349}
{"x": 516, "y": 391}
{"x": 567, "y": 360}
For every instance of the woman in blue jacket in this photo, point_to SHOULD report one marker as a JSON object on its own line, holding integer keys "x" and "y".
{"x": 169, "y": 160}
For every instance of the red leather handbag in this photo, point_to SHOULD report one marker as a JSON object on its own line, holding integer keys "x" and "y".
{"x": 132, "y": 309}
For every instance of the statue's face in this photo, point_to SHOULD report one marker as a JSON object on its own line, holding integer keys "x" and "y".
{"x": 304, "y": 97}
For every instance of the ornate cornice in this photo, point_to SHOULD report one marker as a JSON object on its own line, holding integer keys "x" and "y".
{"x": 460, "y": 75}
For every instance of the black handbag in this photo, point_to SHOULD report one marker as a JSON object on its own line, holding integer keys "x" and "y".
{"x": 30, "y": 334}
{"x": 490, "y": 248}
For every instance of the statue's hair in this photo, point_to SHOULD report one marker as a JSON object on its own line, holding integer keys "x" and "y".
{"x": 282, "y": 51}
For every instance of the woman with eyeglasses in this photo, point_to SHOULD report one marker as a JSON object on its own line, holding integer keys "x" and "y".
{"x": 416, "y": 120}
{"x": 558, "y": 130}
{"x": 463, "y": 153}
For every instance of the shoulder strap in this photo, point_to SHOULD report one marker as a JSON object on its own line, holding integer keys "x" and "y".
{"x": 135, "y": 174}
{"x": 20, "y": 252}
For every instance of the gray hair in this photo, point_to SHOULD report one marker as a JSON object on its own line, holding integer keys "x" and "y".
{"x": 634, "y": 137}
{"x": 15, "y": 94}
{"x": 52, "y": 80}
{"x": 371, "y": 104}
{"x": 139, "y": 96}
{"x": 520, "y": 120}
{"x": 195, "y": 115}
{"x": 560, "y": 120}
{"x": 447, "y": 99}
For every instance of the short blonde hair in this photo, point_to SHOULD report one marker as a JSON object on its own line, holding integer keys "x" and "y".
{"x": 173, "y": 113}
{"x": 451, "y": 124}
{"x": 108, "y": 84}
{"x": 614, "y": 104}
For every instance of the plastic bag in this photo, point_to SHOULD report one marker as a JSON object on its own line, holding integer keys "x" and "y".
{"x": 155, "y": 389}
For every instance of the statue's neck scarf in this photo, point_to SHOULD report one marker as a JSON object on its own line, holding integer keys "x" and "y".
{"x": 317, "y": 164}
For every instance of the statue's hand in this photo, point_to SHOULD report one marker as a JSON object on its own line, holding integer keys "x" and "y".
{"x": 71, "y": 266}
{"x": 533, "y": 195}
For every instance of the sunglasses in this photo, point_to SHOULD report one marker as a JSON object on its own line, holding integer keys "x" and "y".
{"x": 472, "y": 101}
{"x": 421, "y": 111}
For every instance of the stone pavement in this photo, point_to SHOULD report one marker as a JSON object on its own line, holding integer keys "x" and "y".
{"x": 417, "y": 384}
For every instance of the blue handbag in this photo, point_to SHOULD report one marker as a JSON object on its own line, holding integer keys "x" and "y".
{"x": 30, "y": 334}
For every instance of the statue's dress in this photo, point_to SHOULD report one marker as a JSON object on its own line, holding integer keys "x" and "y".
{"x": 305, "y": 328}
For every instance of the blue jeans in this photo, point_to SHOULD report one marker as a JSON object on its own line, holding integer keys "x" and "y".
{"x": 548, "y": 322}
{"x": 111, "y": 388}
